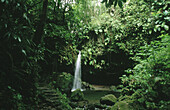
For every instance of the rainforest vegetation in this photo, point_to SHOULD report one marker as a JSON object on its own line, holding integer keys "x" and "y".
{"x": 124, "y": 44}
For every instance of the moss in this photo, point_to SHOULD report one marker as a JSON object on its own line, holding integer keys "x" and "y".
{"x": 109, "y": 99}
{"x": 122, "y": 105}
{"x": 100, "y": 106}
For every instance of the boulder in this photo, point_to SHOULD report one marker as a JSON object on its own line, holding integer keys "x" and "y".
{"x": 100, "y": 106}
{"x": 122, "y": 105}
{"x": 109, "y": 99}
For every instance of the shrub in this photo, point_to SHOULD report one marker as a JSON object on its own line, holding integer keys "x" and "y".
{"x": 148, "y": 82}
{"x": 63, "y": 102}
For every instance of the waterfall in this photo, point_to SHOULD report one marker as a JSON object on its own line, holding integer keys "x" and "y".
{"x": 77, "y": 74}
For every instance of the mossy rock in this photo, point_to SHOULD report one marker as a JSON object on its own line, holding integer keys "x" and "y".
{"x": 122, "y": 105}
{"x": 77, "y": 95}
{"x": 100, "y": 106}
{"x": 109, "y": 99}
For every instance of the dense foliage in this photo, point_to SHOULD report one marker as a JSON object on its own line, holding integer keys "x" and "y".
{"x": 40, "y": 40}
{"x": 19, "y": 69}
{"x": 149, "y": 83}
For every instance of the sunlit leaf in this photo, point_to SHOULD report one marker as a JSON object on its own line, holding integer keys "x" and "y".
{"x": 100, "y": 30}
{"x": 23, "y": 51}
{"x": 19, "y": 39}
{"x": 166, "y": 27}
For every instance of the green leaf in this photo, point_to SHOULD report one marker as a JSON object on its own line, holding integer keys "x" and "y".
{"x": 25, "y": 16}
{"x": 155, "y": 29}
{"x": 19, "y": 39}
{"x": 23, "y": 51}
{"x": 89, "y": 50}
{"x": 166, "y": 27}
{"x": 100, "y": 30}
{"x": 2, "y": 1}
{"x": 19, "y": 96}
{"x": 150, "y": 31}
{"x": 6, "y": 25}
{"x": 159, "y": 29}
{"x": 165, "y": 12}
{"x": 9, "y": 87}
{"x": 15, "y": 37}
{"x": 54, "y": 82}
{"x": 167, "y": 18}
{"x": 91, "y": 63}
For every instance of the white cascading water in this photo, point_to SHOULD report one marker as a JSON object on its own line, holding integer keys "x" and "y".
{"x": 77, "y": 74}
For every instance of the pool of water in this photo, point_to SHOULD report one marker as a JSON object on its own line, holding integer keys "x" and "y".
{"x": 93, "y": 96}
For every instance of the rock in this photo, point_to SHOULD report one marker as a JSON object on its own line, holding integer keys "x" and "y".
{"x": 122, "y": 105}
{"x": 109, "y": 99}
{"x": 77, "y": 95}
{"x": 100, "y": 106}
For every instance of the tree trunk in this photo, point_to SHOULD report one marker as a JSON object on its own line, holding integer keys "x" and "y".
{"x": 39, "y": 29}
